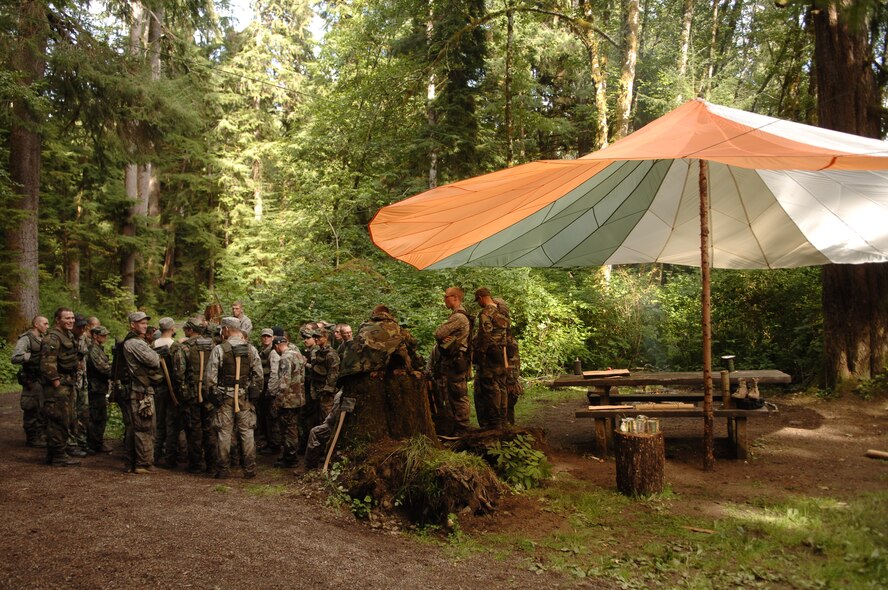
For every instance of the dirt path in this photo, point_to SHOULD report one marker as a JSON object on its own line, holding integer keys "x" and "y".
{"x": 96, "y": 527}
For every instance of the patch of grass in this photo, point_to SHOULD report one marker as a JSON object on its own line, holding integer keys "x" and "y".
{"x": 540, "y": 394}
{"x": 6, "y": 388}
{"x": 265, "y": 489}
{"x": 806, "y": 542}
{"x": 221, "y": 488}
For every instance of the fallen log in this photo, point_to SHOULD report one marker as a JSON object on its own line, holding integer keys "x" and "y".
{"x": 874, "y": 454}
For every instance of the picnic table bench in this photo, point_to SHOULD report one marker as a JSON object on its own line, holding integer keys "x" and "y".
{"x": 736, "y": 420}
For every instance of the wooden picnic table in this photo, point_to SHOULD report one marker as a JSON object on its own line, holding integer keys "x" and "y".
{"x": 601, "y": 390}
{"x": 667, "y": 378}
{"x": 736, "y": 419}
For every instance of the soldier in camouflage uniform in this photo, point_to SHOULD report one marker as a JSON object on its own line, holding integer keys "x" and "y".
{"x": 267, "y": 433}
{"x": 289, "y": 399}
{"x": 195, "y": 352}
{"x": 142, "y": 374}
{"x": 225, "y": 381}
{"x": 27, "y": 354}
{"x": 58, "y": 374}
{"x": 77, "y": 444}
{"x": 308, "y": 417}
{"x": 450, "y": 363}
{"x": 246, "y": 324}
{"x": 514, "y": 387}
{"x": 166, "y": 396}
{"x": 323, "y": 372}
{"x": 98, "y": 371}
{"x": 489, "y": 352}
{"x": 344, "y": 336}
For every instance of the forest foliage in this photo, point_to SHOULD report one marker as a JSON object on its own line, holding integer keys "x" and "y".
{"x": 272, "y": 144}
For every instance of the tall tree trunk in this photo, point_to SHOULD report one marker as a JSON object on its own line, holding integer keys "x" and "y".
{"x": 432, "y": 114}
{"x": 510, "y": 24}
{"x": 627, "y": 72}
{"x": 140, "y": 184}
{"x": 257, "y": 189}
{"x": 855, "y": 305}
{"x": 25, "y": 149}
{"x": 72, "y": 252}
{"x": 706, "y": 83}
{"x": 684, "y": 46}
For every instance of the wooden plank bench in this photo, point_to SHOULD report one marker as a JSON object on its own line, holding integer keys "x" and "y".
{"x": 600, "y": 398}
{"x": 736, "y": 417}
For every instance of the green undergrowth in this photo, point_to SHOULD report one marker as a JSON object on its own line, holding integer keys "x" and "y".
{"x": 803, "y": 542}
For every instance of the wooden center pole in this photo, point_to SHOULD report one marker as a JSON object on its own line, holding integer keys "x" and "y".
{"x": 708, "y": 454}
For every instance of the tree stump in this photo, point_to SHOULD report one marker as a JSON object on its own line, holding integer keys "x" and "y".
{"x": 640, "y": 460}
{"x": 391, "y": 405}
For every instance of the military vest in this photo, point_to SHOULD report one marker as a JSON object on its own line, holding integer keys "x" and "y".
{"x": 31, "y": 367}
{"x": 264, "y": 356}
{"x": 194, "y": 346}
{"x": 68, "y": 353}
{"x": 94, "y": 376}
{"x": 228, "y": 367}
{"x": 168, "y": 357}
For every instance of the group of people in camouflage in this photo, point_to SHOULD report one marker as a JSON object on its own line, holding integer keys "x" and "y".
{"x": 489, "y": 345}
{"x": 64, "y": 377}
{"x": 212, "y": 395}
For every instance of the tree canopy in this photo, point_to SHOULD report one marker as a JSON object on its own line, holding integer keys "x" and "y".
{"x": 158, "y": 154}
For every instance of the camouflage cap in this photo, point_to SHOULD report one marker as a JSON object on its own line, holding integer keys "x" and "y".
{"x": 138, "y": 316}
{"x": 99, "y": 331}
{"x": 166, "y": 323}
{"x": 157, "y": 335}
{"x": 231, "y": 322}
{"x": 195, "y": 324}
{"x": 267, "y": 332}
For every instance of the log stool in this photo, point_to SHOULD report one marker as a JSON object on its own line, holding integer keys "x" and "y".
{"x": 640, "y": 460}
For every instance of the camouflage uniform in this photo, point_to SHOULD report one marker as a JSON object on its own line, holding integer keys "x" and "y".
{"x": 514, "y": 388}
{"x": 266, "y": 414}
{"x": 489, "y": 350}
{"x": 27, "y": 354}
{"x": 168, "y": 414}
{"x": 193, "y": 398}
{"x": 77, "y": 437}
{"x": 58, "y": 360}
{"x": 289, "y": 399}
{"x": 324, "y": 372}
{"x": 143, "y": 373}
{"x": 221, "y": 379}
{"x": 380, "y": 343}
{"x": 308, "y": 417}
{"x": 450, "y": 366}
{"x": 98, "y": 370}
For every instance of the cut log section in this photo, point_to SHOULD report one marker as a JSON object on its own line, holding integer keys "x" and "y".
{"x": 641, "y": 463}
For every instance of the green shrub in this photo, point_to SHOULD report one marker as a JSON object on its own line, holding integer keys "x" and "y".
{"x": 8, "y": 371}
{"x": 519, "y": 463}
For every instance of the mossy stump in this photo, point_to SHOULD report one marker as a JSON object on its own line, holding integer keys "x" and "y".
{"x": 640, "y": 460}
{"x": 426, "y": 482}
